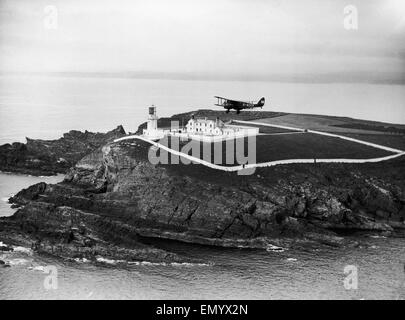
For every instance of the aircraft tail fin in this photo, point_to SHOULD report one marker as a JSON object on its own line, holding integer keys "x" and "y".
{"x": 261, "y": 102}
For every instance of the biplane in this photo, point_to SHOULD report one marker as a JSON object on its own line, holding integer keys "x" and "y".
{"x": 229, "y": 104}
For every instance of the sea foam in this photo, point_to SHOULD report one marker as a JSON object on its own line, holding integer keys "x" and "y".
{"x": 17, "y": 262}
{"x": 148, "y": 263}
{"x": 377, "y": 237}
{"x": 23, "y": 250}
{"x": 37, "y": 268}
{"x": 109, "y": 261}
{"x": 273, "y": 248}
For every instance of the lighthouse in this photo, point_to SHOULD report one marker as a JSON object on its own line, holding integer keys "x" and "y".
{"x": 152, "y": 132}
{"x": 152, "y": 119}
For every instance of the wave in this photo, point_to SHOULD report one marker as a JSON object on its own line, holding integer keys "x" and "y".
{"x": 377, "y": 237}
{"x": 13, "y": 257}
{"x": 18, "y": 249}
{"x": 22, "y": 250}
{"x": 173, "y": 264}
{"x": 190, "y": 264}
{"x": 109, "y": 261}
{"x": 273, "y": 248}
{"x": 148, "y": 263}
{"x": 37, "y": 268}
{"x": 81, "y": 260}
{"x": 17, "y": 261}
{"x": 292, "y": 259}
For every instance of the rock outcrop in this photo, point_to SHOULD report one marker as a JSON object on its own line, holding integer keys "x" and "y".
{"x": 73, "y": 234}
{"x": 113, "y": 200}
{"x": 49, "y": 157}
{"x": 114, "y": 197}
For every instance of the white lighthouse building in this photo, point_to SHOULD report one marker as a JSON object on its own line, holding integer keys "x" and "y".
{"x": 152, "y": 132}
{"x": 216, "y": 130}
{"x": 152, "y": 120}
{"x": 198, "y": 129}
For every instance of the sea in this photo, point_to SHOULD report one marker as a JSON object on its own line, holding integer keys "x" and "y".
{"x": 44, "y": 107}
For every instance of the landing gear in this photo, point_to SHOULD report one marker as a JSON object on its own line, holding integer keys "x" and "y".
{"x": 237, "y": 111}
{"x": 227, "y": 111}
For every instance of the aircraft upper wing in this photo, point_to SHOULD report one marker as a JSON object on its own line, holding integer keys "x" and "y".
{"x": 222, "y": 98}
{"x": 230, "y": 100}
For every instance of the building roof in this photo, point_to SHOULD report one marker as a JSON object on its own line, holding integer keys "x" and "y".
{"x": 204, "y": 120}
{"x": 207, "y": 121}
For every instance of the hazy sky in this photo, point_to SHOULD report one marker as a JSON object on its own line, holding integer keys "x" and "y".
{"x": 259, "y": 37}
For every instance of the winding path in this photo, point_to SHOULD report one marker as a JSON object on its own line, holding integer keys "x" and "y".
{"x": 397, "y": 152}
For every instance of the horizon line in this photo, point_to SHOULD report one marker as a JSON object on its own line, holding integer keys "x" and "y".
{"x": 388, "y": 78}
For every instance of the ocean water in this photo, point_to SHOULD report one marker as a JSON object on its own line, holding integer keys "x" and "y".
{"x": 45, "y": 107}
{"x": 10, "y": 184}
{"x": 225, "y": 274}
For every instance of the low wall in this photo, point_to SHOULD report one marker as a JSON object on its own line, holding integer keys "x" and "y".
{"x": 213, "y": 138}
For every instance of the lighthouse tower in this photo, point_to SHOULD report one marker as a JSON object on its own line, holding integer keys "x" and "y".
{"x": 152, "y": 120}
{"x": 152, "y": 132}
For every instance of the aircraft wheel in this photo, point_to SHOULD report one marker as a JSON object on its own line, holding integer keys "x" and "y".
{"x": 238, "y": 111}
{"x": 227, "y": 111}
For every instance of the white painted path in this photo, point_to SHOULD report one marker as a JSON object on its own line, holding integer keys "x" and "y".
{"x": 397, "y": 152}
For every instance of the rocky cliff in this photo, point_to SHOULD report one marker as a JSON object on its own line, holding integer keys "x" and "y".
{"x": 49, "y": 157}
{"x": 114, "y": 197}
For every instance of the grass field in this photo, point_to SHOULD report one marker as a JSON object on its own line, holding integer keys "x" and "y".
{"x": 279, "y": 147}
{"x": 389, "y": 140}
{"x": 324, "y": 123}
{"x": 326, "y": 172}
{"x": 299, "y": 145}
{"x": 264, "y": 129}
{"x": 309, "y": 145}
{"x": 391, "y": 129}
{"x": 273, "y": 146}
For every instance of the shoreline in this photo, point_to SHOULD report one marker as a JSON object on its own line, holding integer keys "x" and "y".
{"x": 113, "y": 199}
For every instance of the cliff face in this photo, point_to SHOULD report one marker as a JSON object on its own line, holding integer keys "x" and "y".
{"x": 115, "y": 195}
{"x": 49, "y": 157}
